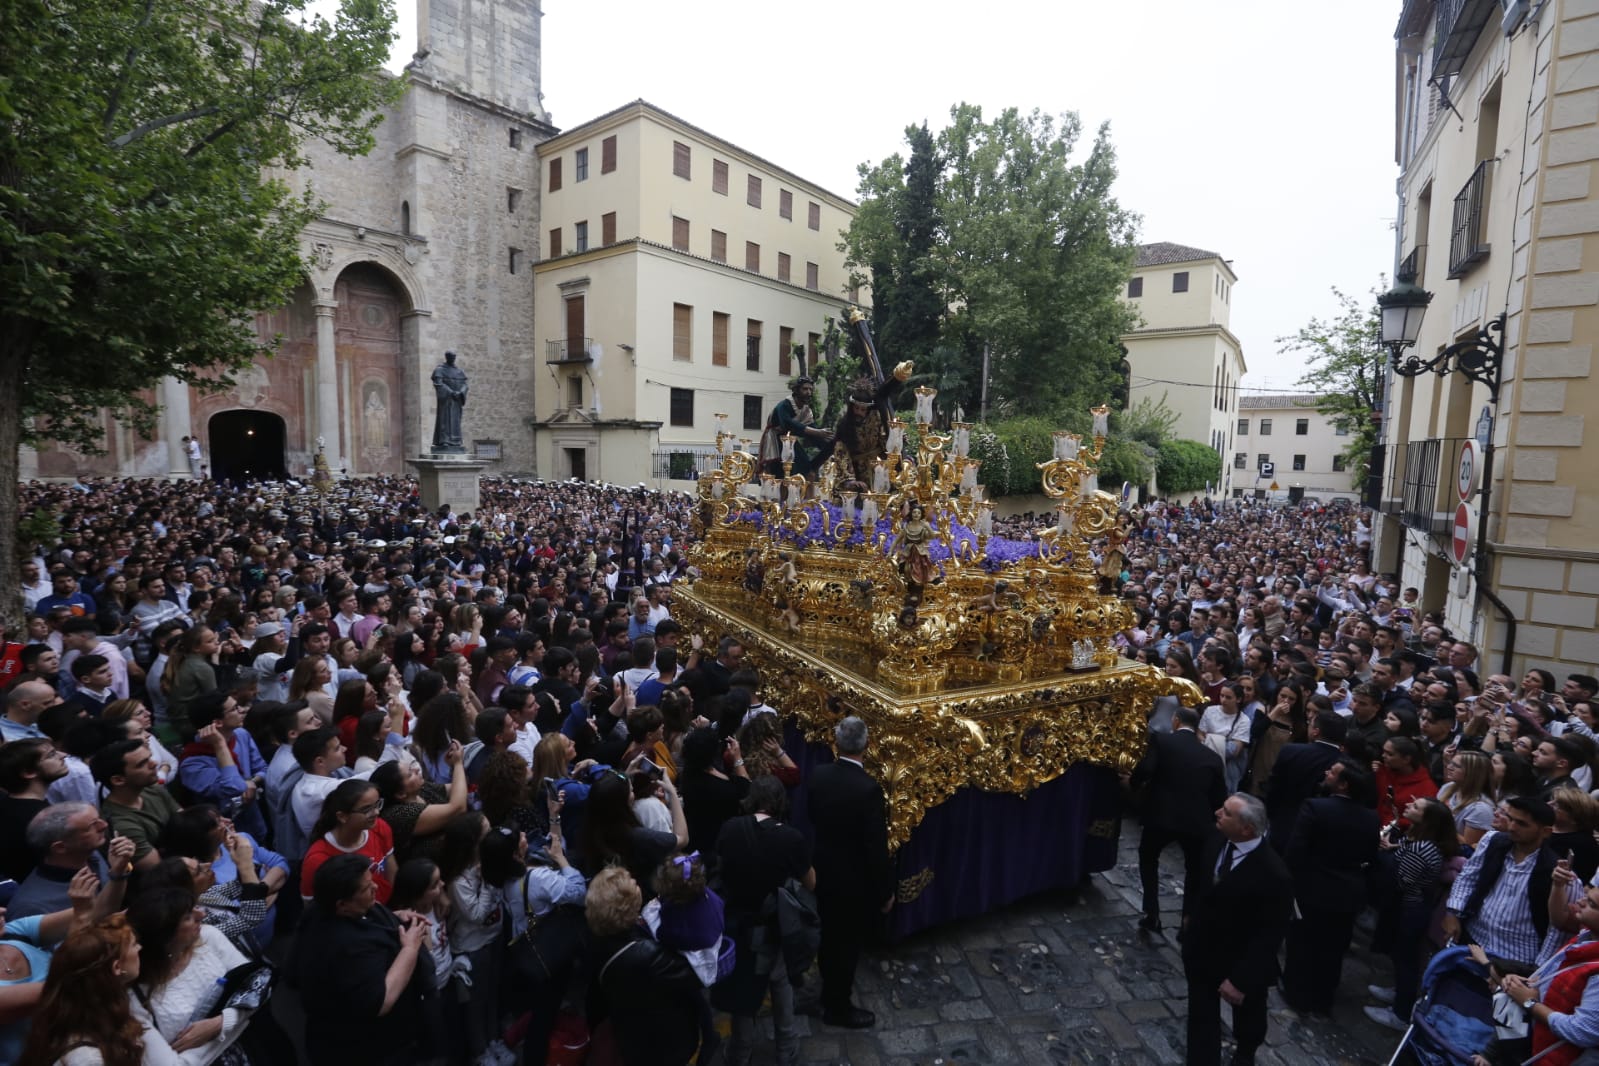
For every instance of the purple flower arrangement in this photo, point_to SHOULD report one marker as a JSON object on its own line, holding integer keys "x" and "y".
{"x": 1002, "y": 552}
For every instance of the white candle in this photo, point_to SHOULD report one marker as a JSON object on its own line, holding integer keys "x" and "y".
{"x": 896, "y": 437}
{"x": 1101, "y": 420}
{"x": 963, "y": 440}
{"x": 721, "y": 423}
{"x": 1066, "y": 445}
{"x": 985, "y": 520}
{"x": 1090, "y": 485}
{"x": 879, "y": 476}
{"x": 788, "y": 447}
{"x": 1067, "y": 520}
{"x": 869, "y": 513}
{"x": 716, "y": 488}
{"x": 924, "y": 404}
{"x": 848, "y": 499}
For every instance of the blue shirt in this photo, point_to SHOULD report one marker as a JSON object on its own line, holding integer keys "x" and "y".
{"x": 23, "y": 934}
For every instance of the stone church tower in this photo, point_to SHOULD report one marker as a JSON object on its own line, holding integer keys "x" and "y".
{"x": 425, "y": 244}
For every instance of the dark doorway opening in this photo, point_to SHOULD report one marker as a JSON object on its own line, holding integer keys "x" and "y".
{"x": 247, "y": 445}
{"x": 577, "y": 463}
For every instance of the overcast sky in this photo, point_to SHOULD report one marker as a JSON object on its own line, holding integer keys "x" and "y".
{"x": 1257, "y": 129}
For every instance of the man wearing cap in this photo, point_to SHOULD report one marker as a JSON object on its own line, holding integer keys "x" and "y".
{"x": 794, "y": 416}
{"x": 861, "y": 436}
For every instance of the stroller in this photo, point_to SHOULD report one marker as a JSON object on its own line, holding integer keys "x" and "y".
{"x": 1453, "y": 1017}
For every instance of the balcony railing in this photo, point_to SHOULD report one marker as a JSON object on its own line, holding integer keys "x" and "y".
{"x": 1460, "y": 23}
{"x": 1420, "y": 499}
{"x": 1467, "y": 238}
{"x": 570, "y": 350}
{"x": 1405, "y": 482}
{"x": 684, "y": 462}
{"x": 1414, "y": 265}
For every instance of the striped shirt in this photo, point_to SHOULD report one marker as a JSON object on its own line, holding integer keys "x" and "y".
{"x": 1504, "y": 926}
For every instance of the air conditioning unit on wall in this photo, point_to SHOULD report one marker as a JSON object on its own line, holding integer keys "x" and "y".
{"x": 1515, "y": 13}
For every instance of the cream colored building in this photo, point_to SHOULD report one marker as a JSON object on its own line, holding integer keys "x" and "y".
{"x": 1303, "y": 445}
{"x": 1499, "y": 215}
{"x": 679, "y": 277}
{"x": 1184, "y": 353}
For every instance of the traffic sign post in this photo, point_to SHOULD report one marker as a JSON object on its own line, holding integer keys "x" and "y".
{"x": 1466, "y": 473}
{"x": 1267, "y": 469}
{"x": 1460, "y": 543}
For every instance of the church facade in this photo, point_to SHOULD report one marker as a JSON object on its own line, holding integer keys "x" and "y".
{"x": 426, "y": 244}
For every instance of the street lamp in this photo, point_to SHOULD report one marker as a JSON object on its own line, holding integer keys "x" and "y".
{"x": 1478, "y": 357}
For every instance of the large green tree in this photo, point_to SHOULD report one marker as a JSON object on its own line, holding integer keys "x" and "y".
{"x": 1345, "y": 356}
{"x": 1022, "y": 251}
{"x": 144, "y": 215}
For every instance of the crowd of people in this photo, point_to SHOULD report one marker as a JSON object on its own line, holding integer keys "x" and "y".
{"x": 465, "y": 784}
{"x": 460, "y": 781}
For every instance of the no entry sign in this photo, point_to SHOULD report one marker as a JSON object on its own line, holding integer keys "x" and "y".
{"x": 1460, "y": 543}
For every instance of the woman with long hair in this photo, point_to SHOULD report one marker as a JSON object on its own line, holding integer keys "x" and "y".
{"x": 761, "y": 741}
{"x": 476, "y": 917}
{"x": 419, "y": 888}
{"x": 182, "y": 962}
{"x": 371, "y": 745}
{"x": 140, "y": 724}
{"x": 415, "y": 809}
{"x": 1468, "y": 792}
{"x": 309, "y": 683}
{"x": 189, "y": 675}
{"x": 349, "y": 825}
{"x": 1283, "y": 724}
{"x": 1419, "y": 859}
{"x": 384, "y": 677}
{"x": 355, "y": 698}
{"x": 1513, "y": 775}
{"x": 444, "y": 718}
{"x": 504, "y": 797}
{"x": 84, "y": 1017}
{"x": 410, "y": 654}
{"x": 612, "y": 833}
{"x": 113, "y": 604}
{"x": 1225, "y": 728}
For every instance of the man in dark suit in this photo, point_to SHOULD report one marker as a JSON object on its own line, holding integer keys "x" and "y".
{"x": 1183, "y": 781}
{"x": 1234, "y": 926}
{"x": 1299, "y": 772}
{"x": 854, "y": 879}
{"x": 1335, "y": 840}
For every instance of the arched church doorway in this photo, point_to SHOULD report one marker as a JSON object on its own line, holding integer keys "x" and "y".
{"x": 245, "y": 445}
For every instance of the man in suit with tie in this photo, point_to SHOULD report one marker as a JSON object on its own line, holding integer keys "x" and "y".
{"x": 1183, "y": 780}
{"x": 1299, "y": 772}
{"x": 854, "y": 879}
{"x": 1335, "y": 840}
{"x": 1234, "y": 926}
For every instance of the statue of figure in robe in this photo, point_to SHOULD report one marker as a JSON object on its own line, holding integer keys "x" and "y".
{"x": 449, "y": 384}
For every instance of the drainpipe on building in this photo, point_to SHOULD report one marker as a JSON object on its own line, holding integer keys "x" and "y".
{"x": 1484, "y": 565}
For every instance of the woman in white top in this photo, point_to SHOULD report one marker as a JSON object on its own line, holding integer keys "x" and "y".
{"x": 182, "y": 965}
{"x": 269, "y": 660}
{"x": 1225, "y": 728}
{"x": 1468, "y": 793}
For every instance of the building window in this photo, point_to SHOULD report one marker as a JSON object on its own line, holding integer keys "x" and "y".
{"x": 680, "y": 233}
{"x": 813, "y": 216}
{"x": 1301, "y": 427}
{"x": 682, "y": 407}
{"x": 782, "y": 266}
{"x": 719, "y": 330}
{"x": 580, "y": 237}
{"x": 785, "y": 204}
{"x": 752, "y": 345}
{"x": 1135, "y": 288}
{"x": 1299, "y": 462}
{"x": 574, "y": 391}
{"x": 1243, "y": 427}
{"x": 1341, "y": 429}
{"x": 555, "y": 242}
{"x": 555, "y": 174}
{"x": 515, "y": 259}
{"x": 812, "y": 276}
{"x": 608, "y": 228}
{"x": 580, "y": 165}
{"x": 1179, "y": 281}
{"x": 682, "y": 333}
{"x": 719, "y": 177}
{"x": 753, "y": 196}
{"x": 813, "y": 350}
{"x": 608, "y": 154}
{"x": 1265, "y": 427}
{"x": 752, "y": 412}
{"x": 1262, "y": 459}
{"x": 516, "y": 137}
{"x": 680, "y": 161}
{"x": 752, "y": 257}
{"x": 405, "y": 217}
{"x": 1340, "y": 463}
{"x": 513, "y": 199}
{"x": 785, "y": 350}
{"x": 718, "y": 246}
{"x": 1240, "y": 460}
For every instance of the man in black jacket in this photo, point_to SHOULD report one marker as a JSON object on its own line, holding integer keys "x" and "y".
{"x": 1335, "y": 840}
{"x": 1299, "y": 772}
{"x": 854, "y": 879}
{"x": 1183, "y": 780}
{"x": 1234, "y": 926}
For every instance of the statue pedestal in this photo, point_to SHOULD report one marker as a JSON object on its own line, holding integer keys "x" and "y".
{"x": 448, "y": 480}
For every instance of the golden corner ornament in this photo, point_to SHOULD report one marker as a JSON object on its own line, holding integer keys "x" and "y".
{"x": 882, "y": 600}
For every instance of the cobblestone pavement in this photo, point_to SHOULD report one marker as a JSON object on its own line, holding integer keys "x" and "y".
{"x": 1067, "y": 979}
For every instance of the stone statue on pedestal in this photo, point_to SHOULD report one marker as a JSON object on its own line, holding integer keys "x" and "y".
{"x": 449, "y": 384}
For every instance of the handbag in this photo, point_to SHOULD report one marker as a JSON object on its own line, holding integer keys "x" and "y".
{"x": 248, "y": 986}
{"x": 551, "y": 945}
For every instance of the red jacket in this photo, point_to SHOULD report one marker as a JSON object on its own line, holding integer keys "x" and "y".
{"x": 1405, "y": 788}
{"x": 1562, "y": 996}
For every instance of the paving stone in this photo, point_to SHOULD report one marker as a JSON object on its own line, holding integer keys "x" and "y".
{"x": 961, "y": 1010}
{"x": 905, "y": 1041}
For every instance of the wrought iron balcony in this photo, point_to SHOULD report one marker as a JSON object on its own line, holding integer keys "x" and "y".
{"x": 570, "y": 351}
{"x": 1468, "y": 245}
{"x": 1404, "y": 482}
{"x": 1414, "y": 265}
{"x": 1460, "y": 23}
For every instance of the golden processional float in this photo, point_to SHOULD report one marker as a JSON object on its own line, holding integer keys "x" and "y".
{"x": 979, "y": 663}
